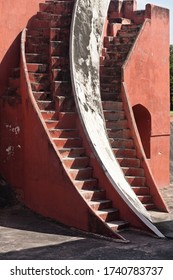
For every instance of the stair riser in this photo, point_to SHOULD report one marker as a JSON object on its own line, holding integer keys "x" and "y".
{"x": 45, "y": 105}
{"x": 60, "y": 34}
{"x": 42, "y": 95}
{"x": 141, "y": 190}
{"x": 57, "y": 8}
{"x": 107, "y": 88}
{"x": 36, "y": 34}
{"x": 109, "y": 105}
{"x": 136, "y": 181}
{"x": 101, "y": 205}
{"x": 114, "y": 115}
{"x": 38, "y": 78}
{"x": 36, "y": 58}
{"x": 60, "y": 75}
{"x": 37, "y": 48}
{"x": 126, "y": 153}
{"x": 110, "y": 79}
{"x": 120, "y": 124}
{"x": 108, "y": 217}
{"x": 57, "y": 62}
{"x": 81, "y": 174}
{"x": 64, "y": 104}
{"x": 48, "y": 115}
{"x": 120, "y": 143}
{"x": 48, "y": 20}
{"x": 74, "y": 153}
{"x": 40, "y": 86}
{"x": 123, "y": 133}
{"x": 95, "y": 195}
{"x": 145, "y": 199}
{"x": 129, "y": 162}
{"x": 110, "y": 96}
{"x": 37, "y": 68}
{"x": 76, "y": 163}
{"x": 62, "y": 88}
{"x": 133, "y": 171}
{"x": 63, "y": 133}
{"x": 59, "y": 49}
{"x": 68, "y": 143}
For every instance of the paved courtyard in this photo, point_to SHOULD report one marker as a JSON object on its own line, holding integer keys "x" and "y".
{"x": 26, "y": 235}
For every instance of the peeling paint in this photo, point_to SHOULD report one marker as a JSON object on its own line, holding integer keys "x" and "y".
{"x": 10, "y": 151}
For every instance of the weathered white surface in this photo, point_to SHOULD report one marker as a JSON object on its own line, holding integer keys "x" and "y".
{"x": 86, "y": 33}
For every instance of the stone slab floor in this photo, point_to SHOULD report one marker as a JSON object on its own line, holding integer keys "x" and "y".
{"x": 26, "y": 235}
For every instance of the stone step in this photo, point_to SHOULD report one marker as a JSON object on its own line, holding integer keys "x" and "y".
{"x": 36, "y": 58}
{"x": 110, "y": 88}
{"x": 100, "y": 204}
{"x": 52, "y": 20}
{"x": 149, "y": 206}
{"x": 125, "y": 153}
{"x": 61, "y": 88}
{"x": 60, "y": 34}
{"x": 59, "y": 7}
{"x": 39, "y": 33}
{"x": 42, "y": 95}
{"x": 87, "y": 184}
{"x": 133, "y": 171}
{"x": 38, "y": 77}
{"x": 110, "y": 78}
{"x": 119, "y": 133}
{"x": 96, "y": 194}
{"x": 46, "y": 105}
{"x": 136, "y": 180}
{"x": 121, "y": 143}
{"x": 110, "y": 96}
{"x": 129, "y": 162}
{"x": 119, "y": 124}
{"x": 81, "y": 174}
{"x": 110, "y": 71}
{"x": 49, "y": 115}
{"x": 59, "y": 48}
{"x": 73, "y": 152}
{"x": 32, "y": 47}
{"x": 65, "y": 120}
{"x": 77, "y": 162}
{"x": 68, "y": 142}
{"x": 108, "y": 215}
{"x": 37, "y": 68}
{"x": 145, "y": 199}
{"x": 39, "y": 86}
{"x": 59, "y": 61}
{"x": 61, "y": 74}
{"x": 64, "y": 133}
{"x": 65, "y": 103}
{"x": 117, "y": 225}
{"x": 141, "y": 190}
{"x": 110, "y": 105}
{"x": 114, "y": 115}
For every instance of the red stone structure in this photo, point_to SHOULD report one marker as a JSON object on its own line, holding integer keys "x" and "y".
{"x": 45, "y": 152}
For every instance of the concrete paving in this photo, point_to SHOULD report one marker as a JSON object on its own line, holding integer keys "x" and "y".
{"x": 26, "y": 235}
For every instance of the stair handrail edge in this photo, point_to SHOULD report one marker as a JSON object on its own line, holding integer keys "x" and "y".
{"x": 80, "y": 94}
{"x": 133, "y": 126}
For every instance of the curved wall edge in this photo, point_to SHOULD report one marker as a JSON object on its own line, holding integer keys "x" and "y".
{"x": 85, "y": 43}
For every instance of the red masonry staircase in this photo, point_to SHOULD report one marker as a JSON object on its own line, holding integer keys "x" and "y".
{"x": 45, "y": 60}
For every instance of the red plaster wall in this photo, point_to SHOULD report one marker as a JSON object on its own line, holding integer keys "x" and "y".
{"x": 13, "y": 18}
{"x": 146, "y": 75}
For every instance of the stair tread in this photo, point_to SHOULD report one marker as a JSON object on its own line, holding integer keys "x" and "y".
{"x": 107, "y": 210}
{"x": 117, "y": 222}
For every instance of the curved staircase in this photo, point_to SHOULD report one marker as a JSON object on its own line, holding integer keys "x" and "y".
{"x": 46, "y": 66}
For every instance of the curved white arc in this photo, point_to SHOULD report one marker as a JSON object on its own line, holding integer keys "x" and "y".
{"x": 85, "y": 44}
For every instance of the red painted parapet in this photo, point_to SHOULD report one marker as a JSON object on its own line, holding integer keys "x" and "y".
{"x": 146, "y": 81}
